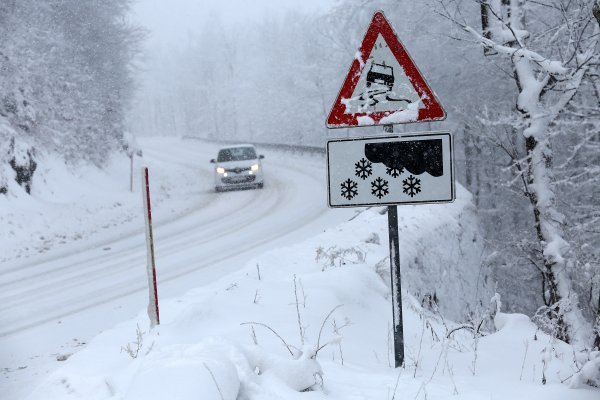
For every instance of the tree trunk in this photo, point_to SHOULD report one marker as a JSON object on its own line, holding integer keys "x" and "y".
{"x": 540, "y": 166}
{"x": 597, "y": 327}
{"x": 561, "y": 301}
{"x": 558, "y": 295}
{"x": 545, "y": 88}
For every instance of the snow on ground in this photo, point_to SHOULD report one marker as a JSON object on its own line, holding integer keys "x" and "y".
{"x": 55, "y": 296}
{"x": 311, "y": 321}
{"x": 225, "y": 338}
{"x": 70, "y": 204}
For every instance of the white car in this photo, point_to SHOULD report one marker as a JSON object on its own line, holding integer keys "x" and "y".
{"x": 238, "y": 167}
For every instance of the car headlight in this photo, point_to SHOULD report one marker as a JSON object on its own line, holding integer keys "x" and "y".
{"x": 220, "y": 170}
{"x": 254, "y": 167}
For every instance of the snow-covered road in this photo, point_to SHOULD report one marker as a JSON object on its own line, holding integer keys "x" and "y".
{"x": 50, "y": 303}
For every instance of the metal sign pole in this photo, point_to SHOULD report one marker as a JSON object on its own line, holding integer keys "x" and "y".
{"x": 131, "y": 173}
{"x": 396, "y": 286}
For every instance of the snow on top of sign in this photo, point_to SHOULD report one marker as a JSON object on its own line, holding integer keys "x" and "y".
{"x": 410, "y": 114}
{"x": 400, "y": 117}
{"x": 365, "y": 120}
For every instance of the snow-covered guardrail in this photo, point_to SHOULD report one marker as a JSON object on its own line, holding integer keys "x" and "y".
{"x": 291, "y": 148}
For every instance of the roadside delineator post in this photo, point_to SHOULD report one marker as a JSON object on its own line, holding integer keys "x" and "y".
{"x": 153, "y": 313}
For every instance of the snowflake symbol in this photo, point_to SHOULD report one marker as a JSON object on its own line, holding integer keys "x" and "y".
{"x": 363, "y": 168}
{"x": 411, "y": 186}
{"x": 394, "y": 172}
{"x": 379, "y": 187}
{"x": 349, "y": 189}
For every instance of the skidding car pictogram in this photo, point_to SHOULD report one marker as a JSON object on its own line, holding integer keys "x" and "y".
{"x": 382, "y": 74}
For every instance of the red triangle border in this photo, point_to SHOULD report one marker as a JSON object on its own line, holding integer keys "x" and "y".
{"x": 432, "y": 110}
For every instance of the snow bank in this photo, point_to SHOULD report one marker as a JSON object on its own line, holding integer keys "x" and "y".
{"x": 589, "y": 375}
{"x": 201, "y": 371}
{"x": 71, "y": 203}
{"x": 440, "y": 253}
{"x": 63, "y": 200}
{"x": 313, "y": 321}
{"x": 306, "y": 321}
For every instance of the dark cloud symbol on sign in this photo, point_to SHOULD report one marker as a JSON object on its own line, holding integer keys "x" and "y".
{"x": 415, "y": 156}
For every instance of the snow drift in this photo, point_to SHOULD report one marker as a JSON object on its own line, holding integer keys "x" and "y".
{"x": 312, "y": 321}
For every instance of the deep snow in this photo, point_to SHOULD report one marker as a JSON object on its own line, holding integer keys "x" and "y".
{"x": 216, "y": 342}
{"x": 90, "y": 274}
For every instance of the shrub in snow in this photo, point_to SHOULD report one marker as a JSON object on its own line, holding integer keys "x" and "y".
{"x": 299, "y": 374}
{"x": 589, "y": 374}
{"x": 3, "y": 178}
{"x": 6, "y": 137}
{"x": 17, "y": 155}
{"x": 335, "y": 256}
{"x": 133, "y": 348}
{"x": 130, "y": 145}
{"x": 21, "y": 159}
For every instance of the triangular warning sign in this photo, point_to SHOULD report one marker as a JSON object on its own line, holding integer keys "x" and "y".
{"x": 383, "y": 86}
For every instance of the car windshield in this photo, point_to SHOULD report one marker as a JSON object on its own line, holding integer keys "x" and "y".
{"x": 382, "y": 69}
{"x": 236, "y": 154}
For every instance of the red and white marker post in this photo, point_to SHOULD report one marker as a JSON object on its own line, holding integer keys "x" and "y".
{"x": 151, "y": 265}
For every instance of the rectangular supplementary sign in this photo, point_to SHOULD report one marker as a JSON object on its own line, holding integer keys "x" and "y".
{"x": 390, "y": 170}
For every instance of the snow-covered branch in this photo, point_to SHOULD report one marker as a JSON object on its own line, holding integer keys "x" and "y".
{"x": 552, "y": 67}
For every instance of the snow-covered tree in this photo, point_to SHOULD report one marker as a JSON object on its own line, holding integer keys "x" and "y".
{"x": 65, "y": 78}
{"x": 550, "y": 49}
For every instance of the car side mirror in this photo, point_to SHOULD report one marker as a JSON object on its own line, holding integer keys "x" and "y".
{"x": 261, "y": 157}
{"x": 212, "y": 160}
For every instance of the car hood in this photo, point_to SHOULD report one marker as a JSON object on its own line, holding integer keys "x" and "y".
{"x": 238, "y": 164}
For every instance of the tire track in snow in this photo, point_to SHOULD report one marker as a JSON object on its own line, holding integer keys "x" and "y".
{"x": 47, "y": 302}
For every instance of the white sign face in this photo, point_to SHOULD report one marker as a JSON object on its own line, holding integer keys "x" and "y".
{"x": 392, "y": 170}
{"x": 383, "y": 84}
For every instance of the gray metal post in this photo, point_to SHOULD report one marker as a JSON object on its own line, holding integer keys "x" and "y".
{"x": 392, "y": 212}
{"x": 396, "y": 286}
{"x": 131, "y": 173}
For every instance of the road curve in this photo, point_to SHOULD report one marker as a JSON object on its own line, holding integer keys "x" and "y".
{"x": 220, "y": 227}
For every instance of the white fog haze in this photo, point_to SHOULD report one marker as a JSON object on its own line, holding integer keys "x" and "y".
{"x": 171, "y": 22}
